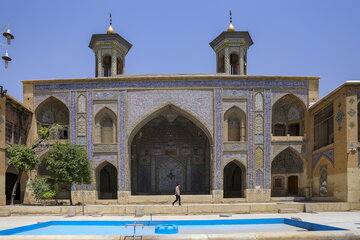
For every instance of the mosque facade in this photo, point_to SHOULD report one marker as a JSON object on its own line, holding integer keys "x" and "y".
{"x": 226, "y": 136}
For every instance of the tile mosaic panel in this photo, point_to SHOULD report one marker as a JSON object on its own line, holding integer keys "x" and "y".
{"x": 259, "y": 179}
{"x": 240, "y": 146}
{"x": 235, "y": 93}
{"x": 268, "y": 102}
{"x": 99, "y": 158}
{"x": 251, "y": 148}
{"x": 105, "y": 95}
{"x": 122, "y": 139}
{"x": 259, "y": 139}
{"x": 259, "y": 158}
{"x": 259, "y": 102}
{"x": 81, "y": 140}
{"x": 81, "y": 104}
{"x": 301, "y": 94}
{"x": 73, "y": 118}
{"x": 81, "y": 127}
{"x": 89, "y": 127}
{"x": 218, "y": 140}
{"x": 105, "y": 148}
{"x": 239, "y": 156}
{"x": 259, "y": 124}
{"x": 212, "y": 83}
{"x": 329, "y": 154}
{"x": 64, "y": 97}
{"x": 276, "y": 148}
{"x": 197, "y": 103}
{"x": 241, "y": 105}
{"x": 100, "y": 106}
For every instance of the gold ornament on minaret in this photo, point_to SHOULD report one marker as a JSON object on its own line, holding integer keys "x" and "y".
{"x": 231, "y": 27}
{"x": 110, "y": 29}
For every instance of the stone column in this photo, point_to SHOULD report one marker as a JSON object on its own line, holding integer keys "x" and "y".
{"x": 100, "y": 72}
{"x": 242, "y": 131}
{"x": 242, "y": 72}
{"x": 226, "y": 130}
{"x": 113, "y": 63}
{"x": 227, "y": 60}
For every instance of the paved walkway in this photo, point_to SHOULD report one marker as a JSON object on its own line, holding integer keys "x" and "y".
{"x": 347, "y": 220}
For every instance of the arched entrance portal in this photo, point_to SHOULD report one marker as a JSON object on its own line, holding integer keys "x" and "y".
{"x": 167, "y": 150}
{"x": 233, "y": 180}
{"x": 107, "y": 181}
{"x": 10, "y": 181}
{"x": 286, "y": 172}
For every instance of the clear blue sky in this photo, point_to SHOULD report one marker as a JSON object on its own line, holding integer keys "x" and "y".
{"x": 291, "y": 37}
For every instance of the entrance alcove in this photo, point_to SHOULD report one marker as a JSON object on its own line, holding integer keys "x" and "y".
{"x": 170, "y": 147}
{"x": 234, "y": 180}
{"x": 106, "y": 181}
{"x": 286, "y": 173}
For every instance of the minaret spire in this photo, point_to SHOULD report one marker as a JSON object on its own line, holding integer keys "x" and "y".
{"x": 231, "y": 27}
{"x": 110, "y": 30}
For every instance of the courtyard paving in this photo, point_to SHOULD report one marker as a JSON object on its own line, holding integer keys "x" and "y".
{"x": 347, "y": 220}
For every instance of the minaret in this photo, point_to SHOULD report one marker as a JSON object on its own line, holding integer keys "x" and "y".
{"x": 110, "y": 50}
{"x": 231, "y": 50}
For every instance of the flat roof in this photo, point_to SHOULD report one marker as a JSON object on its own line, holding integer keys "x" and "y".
{"x": 164, "y": 77}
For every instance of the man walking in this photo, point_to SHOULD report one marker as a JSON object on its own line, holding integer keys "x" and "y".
{"x": 177, "y": 194}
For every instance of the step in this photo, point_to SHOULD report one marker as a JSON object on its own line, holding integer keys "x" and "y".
{"x": 288, "y": 210}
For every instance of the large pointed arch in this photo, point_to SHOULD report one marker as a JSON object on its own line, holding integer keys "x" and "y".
{"x": 162, "y": 109}
{"x": 288, "y": 116}
{"x": 160, "y": 142}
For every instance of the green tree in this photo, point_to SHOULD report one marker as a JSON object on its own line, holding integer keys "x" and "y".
{"x": 68, "y": 164}
{"x": 23, "y": 158}
{"x": 42, "y": 189}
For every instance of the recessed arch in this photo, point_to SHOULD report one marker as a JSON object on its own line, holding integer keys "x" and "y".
{"x": 288, "y": 114}
{"x": 105, "y": 131}
{"x": 287, "y": 171}
{"x": 143, "y": 121}
{"x": 168, "y": 147}
{"x": 107, "y": 64}
{"x": 53, "y": 111}
{"x": 106, "y": 180}
{"x": 234, "y": 175}
{"x": 234, "y": 63}
{"x": 235, "y": 124}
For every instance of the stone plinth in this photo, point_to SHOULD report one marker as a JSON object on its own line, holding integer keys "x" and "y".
{"x": 257, "y": 195}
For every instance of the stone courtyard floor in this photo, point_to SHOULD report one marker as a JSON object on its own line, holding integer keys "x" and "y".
{"x": 347, "y": 220}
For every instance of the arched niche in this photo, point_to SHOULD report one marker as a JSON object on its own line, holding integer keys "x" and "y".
{"x": 288, "y": 114}
{"x": 169, "y": 148}
{"x": 106, "y": 64}
{"x": 105, "y": 131}
{"x": 287, "y": 170}
{"x": 52, "y": 111}
{"x": 234, "y": 176}
{"x": 235, "y": 125}
{"x": 119, "y": 66}
{"x": 234, "y": 64}
{"x": 106, "y": 181}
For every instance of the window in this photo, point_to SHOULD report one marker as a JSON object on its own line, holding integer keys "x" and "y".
{"x": 9, "y": 130}
{"x": 16, "y": 134}
{"x": 324, "y": 127}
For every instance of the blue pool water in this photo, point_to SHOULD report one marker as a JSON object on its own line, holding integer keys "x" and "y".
{"x": 185, "y": 227}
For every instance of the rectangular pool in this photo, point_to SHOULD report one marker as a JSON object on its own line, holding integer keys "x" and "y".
{"x": 184, "y": 227}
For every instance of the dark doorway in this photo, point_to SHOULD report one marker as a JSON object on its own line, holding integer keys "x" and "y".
{"x": 108, "y": 182}
{"x": 232, "y": 181}
{"x": 170, "y": 149}
{"x": 293, "y": 185}
{"x": 10, "y": 181}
